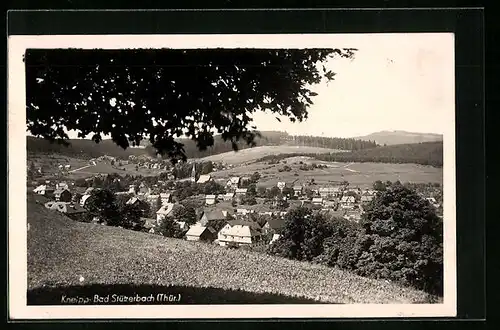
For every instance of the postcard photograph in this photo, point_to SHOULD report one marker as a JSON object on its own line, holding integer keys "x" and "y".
{"x": 232, "y": 176}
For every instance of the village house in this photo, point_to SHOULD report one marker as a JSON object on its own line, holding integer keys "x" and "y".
{"x": 149, "y": 225}
{"x": 204, "y": 178}
{"x": 73, "y": 211}
{"x": 273, "y": 226}
{"x": 240, "y": 192}
{"x": 327, "y": 192}
{"x": 210, "y": 199}
{"x": 199, "y": 233}
{"x": 243, "y": 211}
{"x": 62, "y": 185}
{"x": 366, "y": 198}
{"x": 352, "y": 215}
{"x": 297, "y": 190}
{"x": 317, "y": 201}
{"x": 233, "y": 183}
{"x": 165, "y": 198}
{"x": 347, "y": 202}
{"x": 238, "y": 233}
{"x": 212, "y": 215}
{"x": 67, "y": 166}
{"x": 144, "y": 190}
{"x": 134, "y": 201}
{"x": 44, "y": 190}
{"x": 131, "y": 189}
{"x": 433, "y": 201}
{"x": 84, "y": 200}
{"x": 164, "y": 212}
{"x": 62, "y": 195}
{"x": 328, "y": 204}
{"x": 281, "y": 185}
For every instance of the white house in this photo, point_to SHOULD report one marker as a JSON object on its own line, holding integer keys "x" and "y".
{"x": 241, "y": 191}
{"x": 201, "y": 233}
{"x": 317, "y": 200}
{"x": 237, "y": 233}
{"x": 347, "y": 202}
{"x": 210, "y": 199}
{"x": 233, "y": 182}
{"x": 164, "y": 212}
{"x": 204, "y": 178}
{"x": 281, "y": 185}
{"x": 228, "y": 196}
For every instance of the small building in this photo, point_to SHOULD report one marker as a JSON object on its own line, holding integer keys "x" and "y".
{"x": 238, "y": 233}
{"x": 241, "y": 192}
{"x": 297, "y": 190}
{"x": 149, "y": 225}
{"x": 204, "y": 178}
{"x": 67, "y": 166}
{"x": 228, "y": 196}
{"x": 273, "y": 226}
{"x": 243, "y": 211}
{"x": 347, "y": 202}
{"x": 75, "y": 212}
{"x": 165, "y": 198}
{"x": 366, "y": 198}
{"x": 44, "y": 190}
{"x": 209, "y": 216}
{"x": 164, "y": 212}
{"x": 327, "y": 192}
{"x": 353, "y": 215}
{"x": 281, "y": 185}
{"x": 233, "y": 182}
{"x": 62, "y": 185}
{"x": 62, "y": 195}
{"x": 210, "y": 199}
{"x": 201, "y": 234}
{"x": 317, "y": 201}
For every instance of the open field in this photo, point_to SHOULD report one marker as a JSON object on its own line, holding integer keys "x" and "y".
{"x": 252, "y": 154}
{"x": 60, "y": 251}
{"x": 357, "y": 174}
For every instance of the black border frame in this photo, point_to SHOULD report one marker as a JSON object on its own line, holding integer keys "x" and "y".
{"x": 468, "y": 26}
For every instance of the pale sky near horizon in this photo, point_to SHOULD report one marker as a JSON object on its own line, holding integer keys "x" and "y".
{"x": 395, "y": 82}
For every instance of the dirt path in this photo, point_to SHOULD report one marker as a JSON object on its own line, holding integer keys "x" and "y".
{"x": 81, "y": 168}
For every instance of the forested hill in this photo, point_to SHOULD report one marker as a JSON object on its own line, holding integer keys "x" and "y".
{"x": 272, "y": 138}
{"x": 426, "y": 153}
{"x": 81, "y": 148}
{"x": 89, "y": 149}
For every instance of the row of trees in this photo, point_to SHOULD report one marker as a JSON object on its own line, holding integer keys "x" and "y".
{"x": 399, "y": 238}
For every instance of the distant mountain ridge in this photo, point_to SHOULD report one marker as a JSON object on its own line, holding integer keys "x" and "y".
{"x": 400, "y": 137}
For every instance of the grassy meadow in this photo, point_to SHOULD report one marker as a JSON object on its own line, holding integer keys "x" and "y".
{"x": 62, "y": 252}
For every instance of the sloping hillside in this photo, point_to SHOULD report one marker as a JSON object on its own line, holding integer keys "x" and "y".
{"x": 427, "y": 153}
{"x": 62, "y": 251}
{"x": 81, "y": 148}
{"x": 401, "y": 137}
{"x": 255, "y": 153}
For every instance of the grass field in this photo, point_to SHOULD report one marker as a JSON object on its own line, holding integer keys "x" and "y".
{"x": 61, "y": 251}
{"x": 357, "y": 174}
{"x": 252, "y": 154}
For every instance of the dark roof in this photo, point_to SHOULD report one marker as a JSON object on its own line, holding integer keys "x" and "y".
{"x": 276, "y": 224}
{"x": 214, "y": 215}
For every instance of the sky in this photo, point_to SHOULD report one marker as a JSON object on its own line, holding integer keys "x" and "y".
{"x": 395, "y": 82}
